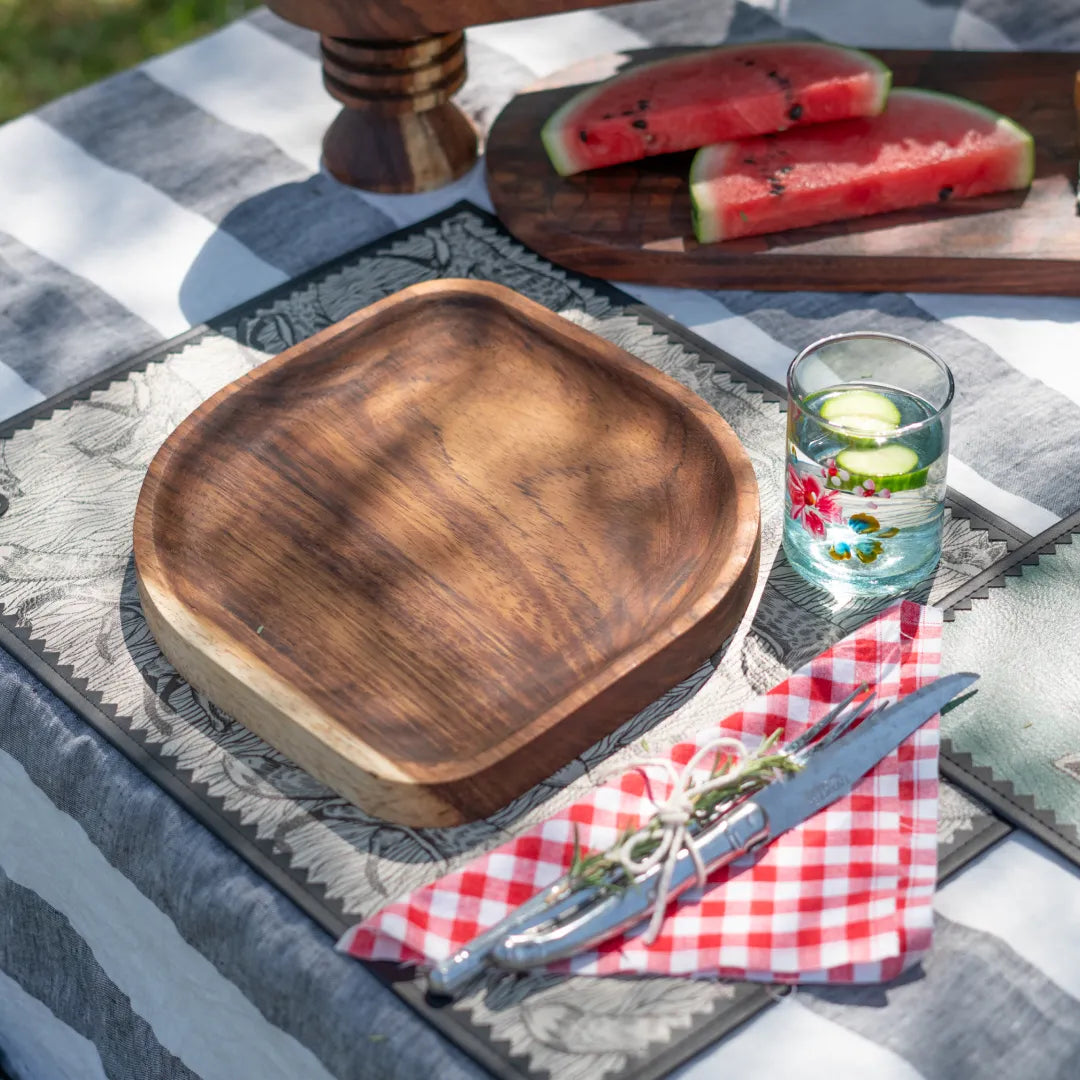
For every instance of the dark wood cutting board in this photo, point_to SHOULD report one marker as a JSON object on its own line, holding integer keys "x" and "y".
{"x": 439, "y": 549}
{"x": 632, "y": 222}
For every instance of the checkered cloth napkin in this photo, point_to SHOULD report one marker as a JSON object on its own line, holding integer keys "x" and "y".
{"x": 844, "y": 897}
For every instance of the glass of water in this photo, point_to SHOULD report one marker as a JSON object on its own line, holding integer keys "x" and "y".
{"x": 868, "y": 443}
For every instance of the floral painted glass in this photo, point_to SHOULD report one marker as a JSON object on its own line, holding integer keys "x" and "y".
{"x": 868, "y": 442}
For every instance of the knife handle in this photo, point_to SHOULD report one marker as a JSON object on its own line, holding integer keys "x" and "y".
{"x": 454, "y": 973}
{"x": 734, "y": 835}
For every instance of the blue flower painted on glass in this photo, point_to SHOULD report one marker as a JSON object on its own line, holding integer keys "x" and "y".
{"x": 866, "y": 549}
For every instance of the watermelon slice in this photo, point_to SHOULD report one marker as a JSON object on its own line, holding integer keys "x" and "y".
{"x": 729, "y": 92}
{"x": 924, "y": 148}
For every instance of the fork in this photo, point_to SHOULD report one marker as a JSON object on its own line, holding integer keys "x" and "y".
{"x": 802, "y": 746}
{"x": 553, "y": 907}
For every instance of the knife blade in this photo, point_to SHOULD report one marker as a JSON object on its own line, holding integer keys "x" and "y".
{"x": 782, "y": 805}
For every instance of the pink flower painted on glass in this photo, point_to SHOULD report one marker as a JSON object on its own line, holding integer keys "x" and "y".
{"x": 868, "y": 490}
{"x": 834, "y": 475}
{"x": 811, "y": 506}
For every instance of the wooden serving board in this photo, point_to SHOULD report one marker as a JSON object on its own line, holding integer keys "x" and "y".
{"x": 442, "y": 547}
{"x": 632, "y": 222}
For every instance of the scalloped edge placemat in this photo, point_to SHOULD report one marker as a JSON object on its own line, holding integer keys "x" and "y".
{"x": 468, "y": 1022}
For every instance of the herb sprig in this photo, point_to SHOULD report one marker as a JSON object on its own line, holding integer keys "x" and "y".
{"x": 604, "y": 870}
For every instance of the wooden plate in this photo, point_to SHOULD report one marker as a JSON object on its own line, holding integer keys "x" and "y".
{"x": 632, "y": 222}
{"x": 442, "y": 547}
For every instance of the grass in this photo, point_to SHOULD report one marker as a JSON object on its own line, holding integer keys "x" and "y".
{"x": 50, "y": 47}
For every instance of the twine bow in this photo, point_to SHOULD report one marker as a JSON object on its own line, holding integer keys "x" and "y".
{"x": 675, "y": 813}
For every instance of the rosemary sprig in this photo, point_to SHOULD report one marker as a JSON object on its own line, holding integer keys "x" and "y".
{"x": 602, "y": 869}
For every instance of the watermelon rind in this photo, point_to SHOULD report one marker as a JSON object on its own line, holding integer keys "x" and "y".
{"x": 1026, "y": 171}
{"x": 551, "y": 134}
{"x": 885, "y": 75}
{"x": 707, "y": 218}
{"x": 554, "y": 138}
{"x": 707, "y": 227}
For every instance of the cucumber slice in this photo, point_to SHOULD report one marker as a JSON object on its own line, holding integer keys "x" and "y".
{"x": 865, "y": 411}
{"x": 893, "y": 467}
{"x": 864, "y": 425}
{"x": 895, "y": 460}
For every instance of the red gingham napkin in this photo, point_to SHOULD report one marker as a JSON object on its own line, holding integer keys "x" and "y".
{"x": 844, "y": 897}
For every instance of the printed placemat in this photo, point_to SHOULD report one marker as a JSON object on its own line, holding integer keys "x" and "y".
{"x": 1017, "y": 744}
{"x": 70, "y": 473}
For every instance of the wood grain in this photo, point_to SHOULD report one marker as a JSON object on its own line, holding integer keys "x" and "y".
{"x": 393, "y": 78}
{"x": 441, "y": 548}
{"x": 402, "y": 152}
{"x": 632, "y": 222}
{"x": 399, "y": 131}
{"x": 394, "y": 64}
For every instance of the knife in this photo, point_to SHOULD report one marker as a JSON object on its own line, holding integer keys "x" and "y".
{"x": 555, "y": 925}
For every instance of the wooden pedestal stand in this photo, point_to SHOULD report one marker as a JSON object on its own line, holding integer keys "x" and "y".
{"x": 394, "y": 65}
{"x": 399, "y": 131}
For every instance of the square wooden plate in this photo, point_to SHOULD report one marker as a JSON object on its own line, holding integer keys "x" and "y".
{"x": 442, "y": 547}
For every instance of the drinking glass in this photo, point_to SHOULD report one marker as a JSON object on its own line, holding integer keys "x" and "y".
{"x": 868, "y": 443}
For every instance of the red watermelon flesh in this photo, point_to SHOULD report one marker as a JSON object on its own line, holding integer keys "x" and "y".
{"x": 715, "y": 95}
{"x": 925, "y": 148}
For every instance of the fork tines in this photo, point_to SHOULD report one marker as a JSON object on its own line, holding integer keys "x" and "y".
{"x": 837, "y": 720}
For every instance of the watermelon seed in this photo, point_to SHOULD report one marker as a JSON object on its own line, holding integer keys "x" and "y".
{"x": 749, "y": 161}
{"x": 608, "y": 116}
{"x": 795, "y": 112}
{"x": 583, "y": 136}
{"x": 628, "y": 112}
{"x": 944, "y": 194}
{"x": 639, "y": 124}
{"x": 643, "y": 104}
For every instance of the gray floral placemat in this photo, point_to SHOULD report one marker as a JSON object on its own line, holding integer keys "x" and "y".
{"x": 70, "y": 475}
{"x": 1017, "y": 743}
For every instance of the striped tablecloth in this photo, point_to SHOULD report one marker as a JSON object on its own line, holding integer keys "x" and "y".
{"x": 134, "y": 944}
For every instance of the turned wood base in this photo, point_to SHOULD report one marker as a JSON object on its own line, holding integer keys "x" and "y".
{"x": 399, "y": 132}
{"x": 386, "y": 58}
{"x": 400, "y": 154}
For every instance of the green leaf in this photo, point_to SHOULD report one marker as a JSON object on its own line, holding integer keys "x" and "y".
{"x": 603, "y": 870}
{"x": 957, "y": 701}
{"x": 770, "y": 742}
